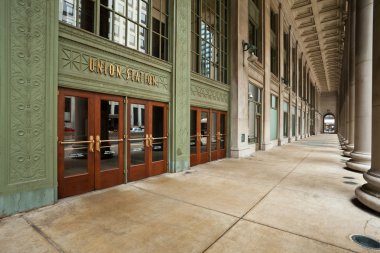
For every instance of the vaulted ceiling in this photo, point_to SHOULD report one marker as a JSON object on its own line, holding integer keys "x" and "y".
{"x": 319, "y": 28}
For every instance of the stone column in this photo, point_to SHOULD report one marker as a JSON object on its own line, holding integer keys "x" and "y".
{"x": 351, "y": 88}
{"x": 297, "y": 84}
{"x": 180, "y": 107}
{"x": 369, "y": 194}
{"x": 361, "y": 156}
{"x": 267, "y": 75}
{"x": 239, "y": 81}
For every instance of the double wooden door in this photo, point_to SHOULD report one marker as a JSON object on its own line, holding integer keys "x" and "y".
{"x": 91, "y": 141}
{"x": 147, "y": 139}
{"x": 207, "y": 135}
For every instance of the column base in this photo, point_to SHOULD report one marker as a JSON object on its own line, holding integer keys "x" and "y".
{"x": 360, "y": 162}
{"x": 243, "y": 152}
{"x": 348, "y": 150}
{"x": 267, "y": 146}
{"x": 369, "y": 194}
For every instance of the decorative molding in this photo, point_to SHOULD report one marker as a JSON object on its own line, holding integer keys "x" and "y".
{"x": 210, "y": 82}
{"x": 95, "y": 42}
{"x": 74, "y": 60}
{"x": 256, "y": 72}
{"x": 28, "y": 52}
{"x": 209, "y": 93}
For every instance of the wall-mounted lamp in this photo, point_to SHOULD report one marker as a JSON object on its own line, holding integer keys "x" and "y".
{"x": 284, "y": 80}
{"x": 251, "y": 49}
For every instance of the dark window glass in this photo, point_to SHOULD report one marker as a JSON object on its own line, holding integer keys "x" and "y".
{"x": 126, "y": 22}
{"x": 209, "y": 38}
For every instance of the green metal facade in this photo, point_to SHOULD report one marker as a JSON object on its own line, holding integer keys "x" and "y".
{"x": 40, "y": 54}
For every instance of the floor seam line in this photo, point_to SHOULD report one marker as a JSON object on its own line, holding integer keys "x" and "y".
{"x": 254, "y": 205}
{"x": 304, "y": 236}
{"x": 43, "y": 234}
{"x": 185, "y": 202}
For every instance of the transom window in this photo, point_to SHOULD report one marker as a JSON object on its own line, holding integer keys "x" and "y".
{"x": 138, "y": 24}
{"x": 209, "y": 38}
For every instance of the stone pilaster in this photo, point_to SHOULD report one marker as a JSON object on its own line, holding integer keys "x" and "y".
{"x": 291, "y": 83}
{"x": 369, "y": 194}
{"x": 280, "y": 128}
{"x": 267, "y": 76}
{"x": 180, "y": 107}
{"x": 297, "y": 95}
{"x": 239, "y": 81}
{"x": 28, "y": 104}
{"x": 361, "y": 156}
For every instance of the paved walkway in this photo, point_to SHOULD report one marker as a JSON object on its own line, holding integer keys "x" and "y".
{"x": 294, "y": 198}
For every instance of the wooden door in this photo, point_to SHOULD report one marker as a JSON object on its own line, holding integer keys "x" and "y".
{"x": 109, "y": 141}
{"x": 76, "y": 133}
{"x": 91, "y": 144}
{"x": 147, "y": 139}
{"x": 218, "y": 135}
{"x": 199, "y": 136}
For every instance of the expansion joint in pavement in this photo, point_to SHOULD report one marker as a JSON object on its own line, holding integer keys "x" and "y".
{"x": 45, "y": 236}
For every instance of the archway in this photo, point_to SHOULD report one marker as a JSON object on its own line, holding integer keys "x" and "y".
{"x": 329, "y": 123}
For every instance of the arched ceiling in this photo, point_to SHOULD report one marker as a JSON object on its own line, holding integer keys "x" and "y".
{"x": 319, "y": 28}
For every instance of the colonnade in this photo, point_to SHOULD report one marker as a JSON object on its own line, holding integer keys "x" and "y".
{"x": 359, "y": 98}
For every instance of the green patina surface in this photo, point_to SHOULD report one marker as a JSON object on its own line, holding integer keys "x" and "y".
{"x": 28, "y": 104}
{"x": 40, "y": 54}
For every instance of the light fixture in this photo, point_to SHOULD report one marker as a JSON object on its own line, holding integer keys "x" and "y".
{"x": 251, "y": 49}
{"x": 284, "y": 80}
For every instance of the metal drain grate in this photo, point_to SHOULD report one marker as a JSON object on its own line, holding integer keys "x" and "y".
{"x": 366, "y": 241}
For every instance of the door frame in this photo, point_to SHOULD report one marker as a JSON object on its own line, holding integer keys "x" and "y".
{"x": 150, "y": 167}
{"x": 94, "y": 179}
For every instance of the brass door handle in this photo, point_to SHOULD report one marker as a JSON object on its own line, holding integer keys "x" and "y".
{"x": 151, "y": 140}
{"x": 147, "y": 140}
{"x": 91, "y": 144}
{"x": 97, "y": 143}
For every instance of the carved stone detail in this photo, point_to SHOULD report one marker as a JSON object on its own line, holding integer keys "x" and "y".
{"x": 209, "y": 94}
{"x": 27, "y": 91}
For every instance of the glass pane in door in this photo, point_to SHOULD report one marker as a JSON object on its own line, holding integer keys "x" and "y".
{"x": 75, "y": 131}
{"x": 137, "y": 134}
{"x": 158, "y": 133}
{"x": 204, "y": 131}
{"x": 213, "y": 131}
{"x": 109, "y": 134}
{"x": 222, "y": 131}
{"x": 193, "y": 132}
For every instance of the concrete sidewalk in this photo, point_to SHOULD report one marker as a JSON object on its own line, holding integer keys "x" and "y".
{"x": 294, "y": 198}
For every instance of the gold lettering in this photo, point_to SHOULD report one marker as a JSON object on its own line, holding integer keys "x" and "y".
{"x": 91, "y": 65}
{"x": 146, "y": 78}
{"x": 118, "y": 71}
{"x": 154, "y": 81}
{"x": 142, "y": 77}
{"x": 137, "y": 76}
{"x": 100, "y": 67}
{"x": 105, "y": 68}
{"x": 111, "y": 69}
{"x": 129, "y": 74}
{"x": 150, "y": 80}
